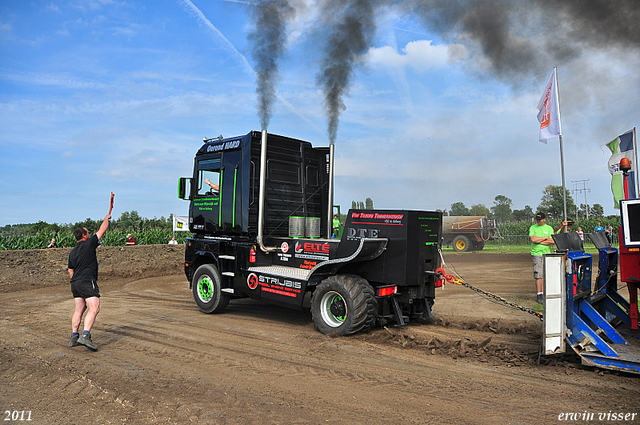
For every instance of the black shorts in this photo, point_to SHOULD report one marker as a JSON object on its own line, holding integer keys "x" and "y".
{"x": 85, "y": 289}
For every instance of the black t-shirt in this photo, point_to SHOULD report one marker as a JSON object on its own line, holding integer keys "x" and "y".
{"x": 84, "y": 261}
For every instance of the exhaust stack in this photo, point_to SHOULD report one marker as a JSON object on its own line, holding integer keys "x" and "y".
{"x": 261, "y": 198}
{"x": 330, "y": 200}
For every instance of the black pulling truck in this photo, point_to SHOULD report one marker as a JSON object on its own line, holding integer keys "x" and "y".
{"x": 261, "y": 213}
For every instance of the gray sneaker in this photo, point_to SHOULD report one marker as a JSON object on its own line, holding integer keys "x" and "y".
{"x": 85, "y": 339}
{"x": 540, "y": 298}
{"x": 74, "y": 341}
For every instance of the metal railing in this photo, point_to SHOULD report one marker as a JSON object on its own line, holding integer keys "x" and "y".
{"x": 524, "y": 240}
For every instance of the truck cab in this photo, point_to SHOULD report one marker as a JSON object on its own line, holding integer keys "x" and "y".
{"x": 261, "y": 216}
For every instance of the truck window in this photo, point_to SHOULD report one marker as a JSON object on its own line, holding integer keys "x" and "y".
{"x": 313, "y": 176}
{"x": 283, "y": 172}
{"x": 209, "y": 177}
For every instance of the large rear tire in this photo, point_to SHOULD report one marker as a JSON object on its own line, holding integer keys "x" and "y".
{"x": 477, "y": 246}
{"x": 461, "y": 243}
{"x": 343, "y": 305}
{"x": 207, "y": 289}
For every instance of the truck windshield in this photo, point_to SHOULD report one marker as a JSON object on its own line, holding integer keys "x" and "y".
{"x": 209, "y": 177}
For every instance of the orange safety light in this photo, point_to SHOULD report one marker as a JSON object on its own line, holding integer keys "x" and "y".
{"x": 625, "y": 165}
{"x": 389, "y": 290}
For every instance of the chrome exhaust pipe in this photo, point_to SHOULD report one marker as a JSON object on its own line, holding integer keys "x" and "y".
{"x": 262, "y": 194}
{"x": 330, "y": 200}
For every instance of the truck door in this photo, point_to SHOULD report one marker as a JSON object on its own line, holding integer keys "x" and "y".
{"x": 205, "y": 207}
{"x": 230, "y": 220}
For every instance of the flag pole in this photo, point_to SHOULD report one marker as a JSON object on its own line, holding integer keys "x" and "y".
{"x": 564, "y": 190}
{"x": 635, "y": 162}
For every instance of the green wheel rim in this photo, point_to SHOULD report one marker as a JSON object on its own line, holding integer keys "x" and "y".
{"x": 205, "y": 289}
{"x": 333, "y": 309}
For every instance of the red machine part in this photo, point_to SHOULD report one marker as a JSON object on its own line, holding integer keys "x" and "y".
{"x": 630, "y": 274}
{"x": 629, "y": 258}
{"x": 443, "y": 277}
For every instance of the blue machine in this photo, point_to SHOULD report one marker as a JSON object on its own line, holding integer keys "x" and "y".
{"x": 598, "y": 326}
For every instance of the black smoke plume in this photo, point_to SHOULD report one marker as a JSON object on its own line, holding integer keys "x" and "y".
{"x": 268, "y": 39}
{"x": 517, "y": 39}
{"x": 349, "y": 38}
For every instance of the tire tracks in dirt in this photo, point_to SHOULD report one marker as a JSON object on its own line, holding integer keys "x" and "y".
{"x": 162, "y": 361}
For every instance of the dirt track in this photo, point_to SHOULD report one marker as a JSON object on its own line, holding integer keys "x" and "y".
{"x": 162, "y": 361}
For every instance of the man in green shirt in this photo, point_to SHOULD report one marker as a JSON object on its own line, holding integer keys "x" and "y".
{"x": 336, "y": 225}
{"x": 541, "y": 241}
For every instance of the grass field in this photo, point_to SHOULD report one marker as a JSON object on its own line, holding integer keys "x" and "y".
{"x": 516, "y": 249}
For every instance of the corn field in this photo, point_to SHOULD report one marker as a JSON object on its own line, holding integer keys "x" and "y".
{"x": 513, "y": 233}
{"x": 66, "y": 239}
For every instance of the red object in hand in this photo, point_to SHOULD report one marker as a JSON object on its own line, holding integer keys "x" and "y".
{"x": 111, "y": 206}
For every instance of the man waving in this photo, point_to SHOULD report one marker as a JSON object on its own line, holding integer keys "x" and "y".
{"x": 83, "y": 271}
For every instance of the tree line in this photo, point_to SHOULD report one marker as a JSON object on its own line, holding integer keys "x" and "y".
{"x": 359, "y": 205}
{"x": 551, "y": 203}
{"x": 517, "y": 222}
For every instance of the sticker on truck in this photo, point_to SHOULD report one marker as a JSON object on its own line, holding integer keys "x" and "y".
{"x": 274, "y": 285}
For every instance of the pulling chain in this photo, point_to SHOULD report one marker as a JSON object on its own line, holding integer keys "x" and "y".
{"x": 459, "y": 281}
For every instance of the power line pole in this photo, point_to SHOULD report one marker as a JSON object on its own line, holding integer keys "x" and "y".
{"x": 584, "y": 189}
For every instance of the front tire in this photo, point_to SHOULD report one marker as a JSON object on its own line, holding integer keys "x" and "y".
{"x": 207, "y": 289}
{"x": 343, "y": 305}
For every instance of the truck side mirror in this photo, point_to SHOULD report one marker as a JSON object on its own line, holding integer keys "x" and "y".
{"x": 183, "y": 182}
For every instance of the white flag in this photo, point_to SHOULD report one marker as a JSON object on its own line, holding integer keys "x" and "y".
{"x": 180, "y": 223}
{"x": 549, "y": 110}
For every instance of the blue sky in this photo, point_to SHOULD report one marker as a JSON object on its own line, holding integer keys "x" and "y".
{"x": 100, "y": 96}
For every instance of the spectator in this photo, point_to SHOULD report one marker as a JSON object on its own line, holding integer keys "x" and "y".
{"x": 336, "y": 226}
{"x": 598, "y": 228}
{"x": 53, "y": 243}
{"x": 565, "y": 225}
{"x": 173, "y": 241}
{"x": 608, "y": 230}
{"x": 131, "y": 240}
{"x": 541, "y": 241}
{"x": 580, "y": 233}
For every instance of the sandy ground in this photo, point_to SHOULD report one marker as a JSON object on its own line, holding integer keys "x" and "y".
{"x": 161, "y": 361}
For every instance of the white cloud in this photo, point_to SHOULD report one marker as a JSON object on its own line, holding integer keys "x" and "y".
{"x": 90, "y": 5}
{"x": 128, "y": 31}
{"x": 420, "y": 55}
{"x": 43, "y": 79}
